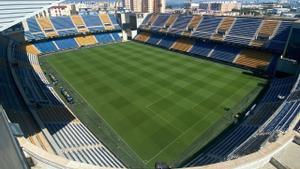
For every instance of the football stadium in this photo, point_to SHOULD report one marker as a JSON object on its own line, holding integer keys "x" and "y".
{"x": 183, "y": 91}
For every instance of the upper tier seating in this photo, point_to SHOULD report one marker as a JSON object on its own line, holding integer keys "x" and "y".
{"x": 77, "y": 20}
{"x": 145, "y": 21}
{"x": 114, "y": 21}
{"x": 193, "y": 24}
{"x": 202, "y": 48}
{"x": 68, "y": 43}
{"x": 183, "y": 44}
{"x": 63, "y": 25}
{"x": 243, "y": 30}
{"x": 106, "y": 21}
{"x": 254, "y": 59}
{"x": 33, "y": 25}
{"x": 86, "y": 40}
{"x": 170, "y": 21}
{"x": 104, "y": 38}
{"x": 143, "y": 36}
{"x": 283, "y": 31}
{"x": 207, "y": 27}
{"x": 225, "y": 53}
{"x": 160, "y": 22}
{"x": 151, "y": 20}
{"x": 167, "y": 41}
{"x": 93, "y": 23}
{"x": 268, "y": 28}
{"x": 266, "y": 31}
{"x": 46, "y": 46}
{"x": 180, "y": 24}
{"x": 225, "y": 25}
{"x": 277, "y": 43}
{"x": 47, "y": 27}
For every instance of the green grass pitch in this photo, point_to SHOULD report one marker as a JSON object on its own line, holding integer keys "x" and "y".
{"x": 159, "y": 102}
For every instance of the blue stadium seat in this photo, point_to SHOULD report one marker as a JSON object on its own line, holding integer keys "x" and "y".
{"x": 167, "y": 41}
{"x": 180, "y": 24}
{"x": 207, "y": 27}
{"x": 46, "y": 47}
{"x": 104, "y": 38}
{"x": 114, "y": 22}
{"x": 154, "y": 39}
{"x": 283, "y": 31}
{"x": 69, "y": 43}
{"x": 202, "y": 48}
{"x": 277, "y": 43}
{"x": 160, "y": 22}
{"x": 243, "y": 30}
{"x": 33, "y": 25}
{"x": 245, "y": 27}
{"x": 93, "y": 23}
{"x": 284, "y": 117}
{"x": 62, "y": 22}
{"x": 116, "y": 36}
{"x": 225, "y": 53}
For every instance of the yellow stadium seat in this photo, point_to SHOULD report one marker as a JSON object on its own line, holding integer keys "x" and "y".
{"x": 106, "y": 21}
{"x": 183, "y": 44}
{"x": 86, "y": 40}
{"x": 144, "y": 36}
{"x": 47, "y": 26}
{"x": 77, "y": 20}
{"x": 253, "y": 58}
{"x": 32, "y": 49}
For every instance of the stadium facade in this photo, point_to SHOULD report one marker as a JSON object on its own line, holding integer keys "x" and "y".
{"x": 54, "y": 137}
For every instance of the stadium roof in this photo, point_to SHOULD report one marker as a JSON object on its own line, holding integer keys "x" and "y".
{"x": 14, "y": 11}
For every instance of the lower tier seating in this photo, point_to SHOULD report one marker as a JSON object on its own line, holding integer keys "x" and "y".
{"x": 249, "y": 58}
{"x": 32, "y": 49}
{"x": 227, "y": 145}
{"x": 183, "y": 44}
{"x": 69, "y": 43}
{"x": 225, "y": 53}
{"x": 71, "y": 138}
{"x": 104, "y": 38}
{"x": 167, "y": 41}
{"x": 254, "y": 59}
{"x": 143, "y": 37}
{"x": 46, "y": 47}
{"x": 202, "y": 48}
{"x": 86, "y": 40}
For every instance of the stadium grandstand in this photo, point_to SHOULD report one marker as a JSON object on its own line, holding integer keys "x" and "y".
{"x": 188, "y": 91}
